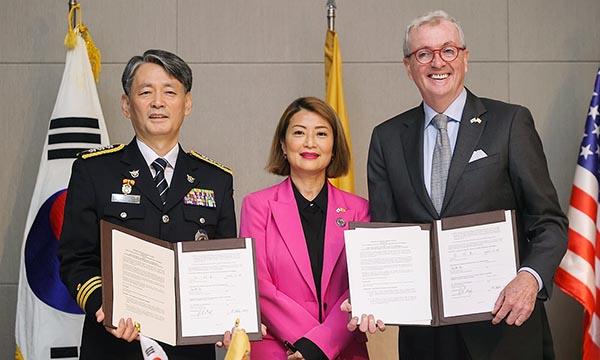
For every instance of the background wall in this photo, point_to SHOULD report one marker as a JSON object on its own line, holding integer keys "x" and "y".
{"x": 252, "y": 58}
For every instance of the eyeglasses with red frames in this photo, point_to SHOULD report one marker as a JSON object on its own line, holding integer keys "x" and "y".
{"x": 425, "y": 55}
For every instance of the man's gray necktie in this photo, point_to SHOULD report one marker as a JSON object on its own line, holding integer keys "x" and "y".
{"x": 159, "y": 166}
{"x": 442, "y": 154}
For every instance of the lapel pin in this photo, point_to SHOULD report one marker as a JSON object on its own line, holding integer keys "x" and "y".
{"x": 340, "y": 210}
{"x": 190, "y": 179}
{"x": 475, "y": 120}
{"x": 134, "y": 173}
{"x": 340, "y": 222}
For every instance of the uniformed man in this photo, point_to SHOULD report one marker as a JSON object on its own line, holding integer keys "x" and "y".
{"x": 150, "y": 185}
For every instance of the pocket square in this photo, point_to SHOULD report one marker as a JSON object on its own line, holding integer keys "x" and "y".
{"x": 477, "y": 154}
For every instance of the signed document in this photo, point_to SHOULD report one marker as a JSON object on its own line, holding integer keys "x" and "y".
{"x": 388, "y": 270}
{"x": 448, "y": 272}
{"x": 180, "y": 293}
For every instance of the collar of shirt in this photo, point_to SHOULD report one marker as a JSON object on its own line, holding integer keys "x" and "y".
{"x": 150, "y": 155}
{"x": 454, "y": 112}
{"x": 320, "y": 200}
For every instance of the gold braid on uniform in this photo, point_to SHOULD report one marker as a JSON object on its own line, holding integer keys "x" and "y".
{"x": 84, "y": 291}
{"x": 101, "y": 151}
{"x": 211, "y": 161}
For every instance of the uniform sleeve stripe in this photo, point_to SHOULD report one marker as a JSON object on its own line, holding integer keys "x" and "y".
{"x": 86, "y": 285}
{"x": 84, "y": 293}
{"x": 85, "y": 299}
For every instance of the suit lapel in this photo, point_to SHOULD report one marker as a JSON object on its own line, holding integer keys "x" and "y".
{"x": 287, "y": 218}
{"x": 180, "y": 183}
{"x": 412, "y": 141}
{"x": 133, "y": 161}
{"x": 468, "y": 137}
{"x": 334, "y": 233}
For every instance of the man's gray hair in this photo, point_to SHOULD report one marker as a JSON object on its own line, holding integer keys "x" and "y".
{"x": 170, "y": 62}
{"x": 433, "y": 17}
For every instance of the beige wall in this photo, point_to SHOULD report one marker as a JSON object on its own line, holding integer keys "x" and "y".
{"x": 251, "y": 58}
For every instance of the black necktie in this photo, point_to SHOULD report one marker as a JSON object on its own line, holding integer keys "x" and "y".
{"x": 159, "y": 166}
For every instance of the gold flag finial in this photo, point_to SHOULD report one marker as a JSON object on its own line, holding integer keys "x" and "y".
{"x": 77, "y": 27}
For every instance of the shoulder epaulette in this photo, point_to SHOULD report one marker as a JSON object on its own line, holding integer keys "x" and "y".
{"x": 101, "y": 151}
{"x": 211, "y": 161}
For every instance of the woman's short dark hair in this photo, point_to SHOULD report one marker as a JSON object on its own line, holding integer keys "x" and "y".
{"x": 340, "y": 159}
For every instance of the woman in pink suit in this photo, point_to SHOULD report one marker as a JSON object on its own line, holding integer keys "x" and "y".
{"x": 299, "y": 226}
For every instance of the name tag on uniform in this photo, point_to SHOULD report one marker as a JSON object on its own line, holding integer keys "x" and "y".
{"x": 128, "y": 199}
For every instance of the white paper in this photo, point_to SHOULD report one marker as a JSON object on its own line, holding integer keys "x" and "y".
{"x": 389, "y": 274}
{"x": 217, "y": 287}
{"x": 476, "y": 263}
{"x": 143, "y": 274}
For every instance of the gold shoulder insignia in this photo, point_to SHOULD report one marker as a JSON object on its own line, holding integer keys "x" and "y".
{"x": 101, "y": 151}
{"x": 210, "y": 161}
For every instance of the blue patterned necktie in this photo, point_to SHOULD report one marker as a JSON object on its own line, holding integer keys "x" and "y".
{"x": 159, "y": 166}
{"x": 442, "y": 154}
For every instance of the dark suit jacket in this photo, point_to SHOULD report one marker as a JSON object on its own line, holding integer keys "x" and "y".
{"x": 93, "y": 180}
{"x": 514, "y": 175}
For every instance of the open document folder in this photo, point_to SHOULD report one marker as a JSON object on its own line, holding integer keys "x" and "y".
{"x": 447, "y": 272}
{"x": 179, "y": 293}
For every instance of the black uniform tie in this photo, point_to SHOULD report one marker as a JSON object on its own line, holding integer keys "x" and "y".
{"x": 159, "y": 166}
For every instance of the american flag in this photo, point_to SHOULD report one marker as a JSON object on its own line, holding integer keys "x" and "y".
{"x": 579, "y": 272}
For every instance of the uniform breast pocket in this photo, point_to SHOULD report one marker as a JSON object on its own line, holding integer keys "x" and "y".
{"x": 202, "y": 218}
{"x": 124, "y": 212}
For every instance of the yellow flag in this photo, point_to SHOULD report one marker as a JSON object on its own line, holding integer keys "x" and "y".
{"x": 335, "y": 98}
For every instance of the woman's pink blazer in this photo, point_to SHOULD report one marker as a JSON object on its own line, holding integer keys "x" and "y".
{"x": 288, "y": 299}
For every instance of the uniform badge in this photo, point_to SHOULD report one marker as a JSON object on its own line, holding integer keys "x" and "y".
{"x": 340, "y": 222}
{"x": 200, "y": 197}
{"x": 340, "y": 210}
{"x": 134, "y": 173}
{"x": 475, "y": 120}
{"x": 190, "y": 178}
{"x": 201, "y": 235}
{"x": 126, "y": 197}
{"x": 127, "y": 186}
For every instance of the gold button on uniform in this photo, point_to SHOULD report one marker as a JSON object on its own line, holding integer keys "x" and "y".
{"x": 123, "y": 215}
{"x": 165, "y": 219}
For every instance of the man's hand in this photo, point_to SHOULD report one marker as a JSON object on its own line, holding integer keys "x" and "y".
{"x": 367, "y": 322}
{"x": 126, "y": 329}
{"x": 100, "y": 315}
{"x": 516, "y": 300}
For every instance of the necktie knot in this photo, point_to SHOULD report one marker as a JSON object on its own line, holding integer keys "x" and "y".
{"x": 440, "y": 121}
{"x": 159, "y": 164}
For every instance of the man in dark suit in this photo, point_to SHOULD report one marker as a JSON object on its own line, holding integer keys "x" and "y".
{"x": 459, "y": 154}
{"x": 151, "y": 186}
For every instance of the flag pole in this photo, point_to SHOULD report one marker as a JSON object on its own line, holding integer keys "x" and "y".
{"x": 331, "y": 15}
{"x": 73, "y": 3}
